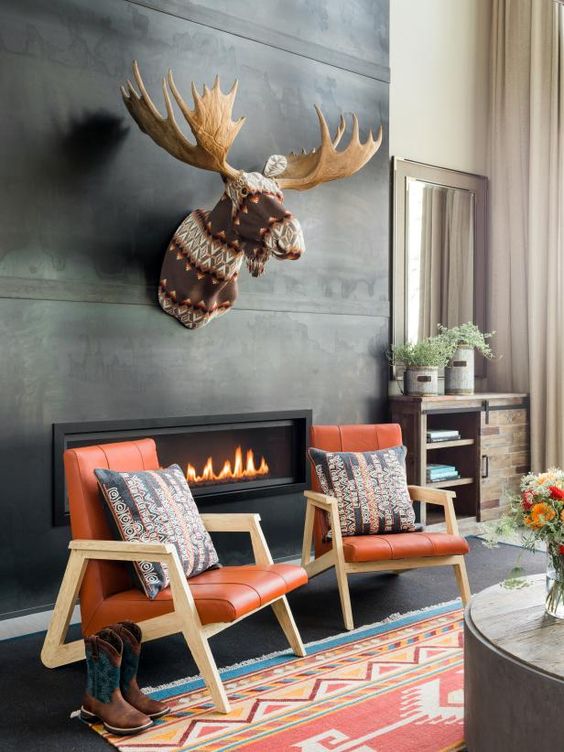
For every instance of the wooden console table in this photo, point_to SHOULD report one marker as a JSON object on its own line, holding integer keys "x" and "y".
{"x": 513, "y": 671}
{"x": 491, "y": 455}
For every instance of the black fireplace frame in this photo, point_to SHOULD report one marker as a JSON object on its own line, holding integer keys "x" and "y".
{"x": 104, "y": 431}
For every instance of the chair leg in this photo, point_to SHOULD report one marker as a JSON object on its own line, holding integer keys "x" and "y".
{"x": 54, "y": 652}
{"x": 344, "y": 594}
{"x": 196, "y": 640}
{"x": 462, "y": 581}
{"x": 281, "y": 609}
{"x": 200, "y": 649}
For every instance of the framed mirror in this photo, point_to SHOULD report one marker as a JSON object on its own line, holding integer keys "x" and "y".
{"x": 439, "y": 251}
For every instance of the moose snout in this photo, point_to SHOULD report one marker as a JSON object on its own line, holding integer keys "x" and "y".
{"x": 287, "y": 239}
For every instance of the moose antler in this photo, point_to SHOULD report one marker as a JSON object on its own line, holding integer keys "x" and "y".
{"x": 325, "y": 163}
{"x": 210, "y": 122}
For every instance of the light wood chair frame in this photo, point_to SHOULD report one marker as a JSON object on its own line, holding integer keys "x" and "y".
{"x": 335, "y": 556}
{"x": 184, "y": 618}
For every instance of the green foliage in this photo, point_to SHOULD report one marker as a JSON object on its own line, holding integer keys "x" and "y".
{"x": 467, "y": 335}
{"x": 497, "y": 530}
{"x": 433, "y": 352}
{"x": 515, "y": 580}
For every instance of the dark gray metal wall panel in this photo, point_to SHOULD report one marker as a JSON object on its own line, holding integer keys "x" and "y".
{"x": 93, "y": 201}
{"x": 353, "y": 35}
{"x": 87, "y": 206}
{"x": 86, "y": 361}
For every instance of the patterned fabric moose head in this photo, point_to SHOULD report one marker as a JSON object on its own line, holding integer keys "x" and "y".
{"x": 201, "y": 265}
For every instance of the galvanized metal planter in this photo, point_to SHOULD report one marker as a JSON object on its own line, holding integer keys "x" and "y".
{"x": 421, "y": 381}
{"x": 459, "y": 374}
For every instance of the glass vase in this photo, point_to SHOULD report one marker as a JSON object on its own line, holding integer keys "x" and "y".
{"x": 555, "y": 582}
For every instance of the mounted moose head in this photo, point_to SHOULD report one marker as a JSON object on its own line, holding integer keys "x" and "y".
{"x": 202, "y": 262}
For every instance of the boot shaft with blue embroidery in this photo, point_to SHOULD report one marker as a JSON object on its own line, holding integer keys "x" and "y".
{"x": 103, "y": 700}
{"x": 130, "y": 635}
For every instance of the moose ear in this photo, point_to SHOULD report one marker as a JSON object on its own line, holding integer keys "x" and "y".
{"x": 275, "y": 165}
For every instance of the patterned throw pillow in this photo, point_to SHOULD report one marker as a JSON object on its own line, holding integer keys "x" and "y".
{"x": 370, "y": 487}
{"x": 156, "y": 506}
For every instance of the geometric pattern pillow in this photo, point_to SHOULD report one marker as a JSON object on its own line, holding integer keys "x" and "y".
{"x": 156, "y": 506}
{"x": 370, "y": 488}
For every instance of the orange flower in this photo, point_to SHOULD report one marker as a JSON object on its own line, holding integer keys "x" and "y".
{"x": 562, "y": 515}
{"x": 541, "y": 513}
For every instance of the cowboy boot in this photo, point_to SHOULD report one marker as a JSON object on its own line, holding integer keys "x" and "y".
{"x": 130, "y": 635}
{"x": 103, "y": 699}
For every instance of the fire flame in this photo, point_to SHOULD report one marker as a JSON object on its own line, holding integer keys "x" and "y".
{"x": 238, "y": 471}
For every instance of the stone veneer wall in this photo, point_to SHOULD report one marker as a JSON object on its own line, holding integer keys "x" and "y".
{"x": 505, "y": 440}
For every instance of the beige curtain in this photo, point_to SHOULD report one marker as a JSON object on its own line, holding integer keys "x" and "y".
{"x": 447, "y": 248}
{"x": 526, "y": 264}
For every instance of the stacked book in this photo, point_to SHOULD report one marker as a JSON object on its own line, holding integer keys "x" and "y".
{"x": 437, "y": 473}
{"x": 435, "y": 436}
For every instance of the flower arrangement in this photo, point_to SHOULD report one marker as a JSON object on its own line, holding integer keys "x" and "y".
{"x": 538, "y": 514}
{"x": 467, "y": 335}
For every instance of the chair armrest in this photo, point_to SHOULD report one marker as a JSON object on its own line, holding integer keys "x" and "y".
{"x": 82, "y": 551}
{"x": 440, "y": 497}
{"x": 330, "y": 505}
{"x": 230, "y": 523}
{"x": 241, "y": 523}
{"x": 322, "y": 501}
{"x": 123, "y": 550}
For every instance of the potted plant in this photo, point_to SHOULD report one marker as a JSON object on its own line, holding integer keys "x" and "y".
{"x": 421, "y": 361}
{"x": 462, "y": 341}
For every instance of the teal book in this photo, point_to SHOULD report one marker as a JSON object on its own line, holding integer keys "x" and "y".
{"x": 437, "y": 468}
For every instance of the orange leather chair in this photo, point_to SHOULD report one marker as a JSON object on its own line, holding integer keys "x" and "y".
{"x": 375, "y": 553}
{"x": 199, "y": 607}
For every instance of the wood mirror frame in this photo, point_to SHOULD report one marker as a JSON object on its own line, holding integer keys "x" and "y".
{"x": 402, "y": 171}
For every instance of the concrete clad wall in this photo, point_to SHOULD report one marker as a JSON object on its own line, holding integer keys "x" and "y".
{"x": 88, "y": 204}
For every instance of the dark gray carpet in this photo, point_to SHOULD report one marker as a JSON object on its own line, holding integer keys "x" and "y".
{"x": 37, "y": 701}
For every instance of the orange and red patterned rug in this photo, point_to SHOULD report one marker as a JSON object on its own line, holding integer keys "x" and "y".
{"x": 393, "y": 687}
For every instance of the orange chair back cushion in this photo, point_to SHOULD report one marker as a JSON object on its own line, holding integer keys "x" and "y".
{"x": 87, "y": 514}
{"x": 355, "y": 438}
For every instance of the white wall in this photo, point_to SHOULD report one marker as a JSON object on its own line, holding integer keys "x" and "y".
{"x": 439, "y": 53}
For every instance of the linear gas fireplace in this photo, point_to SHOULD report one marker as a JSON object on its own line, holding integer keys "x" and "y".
{"x": 223, "y": 456}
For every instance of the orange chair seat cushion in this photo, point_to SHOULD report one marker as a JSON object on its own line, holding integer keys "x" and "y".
{"x": 402, "y": 546}
{"x": 221, "y": 595}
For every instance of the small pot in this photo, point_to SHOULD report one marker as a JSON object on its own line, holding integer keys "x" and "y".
{"x": 421, "y": 381}
{"x": 459, "y": 374}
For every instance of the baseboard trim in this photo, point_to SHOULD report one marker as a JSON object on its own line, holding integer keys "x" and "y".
{"x": 30, "y": 623}
{"x": 26, "y": 611}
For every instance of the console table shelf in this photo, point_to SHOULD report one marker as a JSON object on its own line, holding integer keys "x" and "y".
{"x": 491, "y": 454}
{"x": 447, "y": 444}
{"x": 449, "y": 483}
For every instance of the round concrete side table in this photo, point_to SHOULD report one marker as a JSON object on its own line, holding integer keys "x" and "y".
{"x": 513, "y": 672}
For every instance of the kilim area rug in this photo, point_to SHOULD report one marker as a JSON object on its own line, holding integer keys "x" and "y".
{"x": 392, "y": 687}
